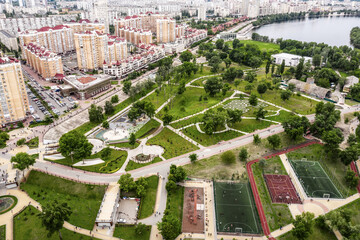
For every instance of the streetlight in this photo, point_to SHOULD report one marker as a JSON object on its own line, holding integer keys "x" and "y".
{"x": 78, "y": 177}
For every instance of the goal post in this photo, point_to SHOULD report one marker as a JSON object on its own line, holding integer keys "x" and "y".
{"x": 326, "y": 195}
{"x": 238, "y": 230}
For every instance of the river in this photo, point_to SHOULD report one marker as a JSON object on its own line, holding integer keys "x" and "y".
{"x": 334, "y": 31}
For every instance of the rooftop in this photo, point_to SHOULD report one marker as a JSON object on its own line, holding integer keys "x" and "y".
{"x": 84, "y": 82}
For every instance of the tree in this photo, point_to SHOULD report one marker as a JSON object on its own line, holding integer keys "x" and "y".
{"x": 326, "y": 117}
{"x": 316, "y": 60}
{"x": 213, "y": 119}
{"x": 171, "y": 186}
{"x": 193, "y": 157}
{"x": 140, "y": 228}
{"x": 351, "y": 179}
{"x": 228, "y": 157}
{"x": 243, "y": 155}
{"x": 296, "y": 126}
{"x": 253, "y": 100}
{"x": 236, "y": 43}
{"x": 272, "y": 69}
{"x": 219, "y": 44}
{"x": 141, "y": 107}
{"x": 267, "y": 68}
{"x": 234, "y": 115}
{"x": 20, "y": 142}
{"x": 299, "y": 69}
{"x": 109, "y": 108}
{"x": 96, "y": 114}
{"x": 285, "y": 95}
{"x": 227, "y": 62}
{"x": 303, "y": 225}
{"x": 105, "y": 153}
{"x": 291, "y": 87}
{"x": 22, "y": 161}
{"x": 352, "y": 139}
{"x": 230, "y": 74}
{"x": 260, "y": 113}
{"x": 250, "y": 77}
{"x": 282, "y": 67}
{"x": 105, "y": 124}
{"x": 127, "y": 182}
{"x": 54, "y": 215}
{"x": 132, "y": 139}
{"x": 186, "y": 56}
{"x": 181, "y": 88}
{"x": 167, "y": 119}
{"x": 349, "y": 154}
{"x": 126, "y": 87}
{"x": 274, "y": 141}
{"x": 169, "y": 227}
{"x": 115, "y": 99}
{"x": 249, "y": 87}
{"x": 332, "y": 139}
{"x": 257, "y": 139}
{"x": 213, "y": 86}
{"x": 261, "y": 88}
{"x": 237, "y": 83}
{"x": 74, "y": 145}
{"x": 225, "y": 88}
{"x": 214, "y": 62}
{"x": 177, "y": 174}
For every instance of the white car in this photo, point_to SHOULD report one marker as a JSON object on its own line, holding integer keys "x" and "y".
{"x": 121, "y": 220}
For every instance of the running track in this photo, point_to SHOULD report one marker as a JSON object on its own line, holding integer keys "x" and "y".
{"x": 353, "y": 167}
{"x": 255, "y": 191}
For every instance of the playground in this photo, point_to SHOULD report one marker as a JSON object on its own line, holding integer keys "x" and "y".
{"x": 314, "y": 180}
{"x": 281, "y": 189}
{"x": 235, "y": 208}
{"x": 193, "y": 210}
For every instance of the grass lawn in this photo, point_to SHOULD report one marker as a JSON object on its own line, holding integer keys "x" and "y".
{"x": 351, "y": 102}
{"x": 263, "y": 45}
{"x": 186, "y": 122}
{"x": 148, "y": 202}
{"x": 127, "y": 232}
{"x": 27, "y": 225}
{"x": 276, "y": 214}
{"x": 208, "y": 140}
{"x": 188, "y": 103}
{"x": 111, "y": 164}
{"x": 174, "y": 202}
{"x": 84, "y": 128}
{"x": 335, "y": 169}
{"x": 114, "y": 82}
{"x": 206, "y": 71}
{"x": 318, "y": 234}
{"x": 349, "y": 116}
{"x": 33, "y": 143}
{"x": 147, "y": 129}
{"x": 274, "y": 166}
{"x": 251, "y": 125}
{"x": 133, "y": 165}
{"x": 125, "y": 145}
{"x": 173, "y": 144}
{"x": 164, "y": 94}
{"x": 283, "y": 115}
{"x": 2, "y": 232}
{"x": 83, "y": 199}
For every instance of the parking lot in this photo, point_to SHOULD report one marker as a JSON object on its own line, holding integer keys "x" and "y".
{"x": 58, "y": 104}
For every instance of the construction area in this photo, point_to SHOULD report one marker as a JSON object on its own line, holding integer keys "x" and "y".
{"x": 193, "y": 210}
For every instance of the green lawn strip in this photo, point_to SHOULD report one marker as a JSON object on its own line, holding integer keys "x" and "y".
{"x": 252, "y": 111}
{"x": 318, "y": 234}
{"x": 86, "y": 127}
{"x": 251, "y": 125}
{"x": 27, "y": 225}
{"x": 208, "y": 140}
{"x": 111, "y": 164}
{"x": 349, "y": 116}
{"x": 188, "y": 103}
{"x": 186, "y": 122}
{"x": 127, "y": 232}
{"x": 351, "y": 102}
{"x": 276, "y": 214}
{"x": 114, "y": 82}
{"x": 33, "y": 143}
{"x": 2, "y": 232}
{"x": 147, "y": 204}
{"x": 174, "y": 202}
{"x": 133, "y": 165}
{"x": 274, "y": 165}
{"x": 147, "y": 129}
{"x": 263, "y": 45}
{"x": 335, "y": 169}
{"x": 206, "y": 71}
{"x": 173, "y": 144}
{"x": 125, "y": 145}
{"x": 83, "y": 199}
{"x": 283, "y": 115}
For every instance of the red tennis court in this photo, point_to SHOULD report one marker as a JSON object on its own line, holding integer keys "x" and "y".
{"x": 281, "y": 189}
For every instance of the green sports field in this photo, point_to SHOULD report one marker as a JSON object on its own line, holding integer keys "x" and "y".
{"x": 235, "y": 208}
{"x": 314, "y": 179}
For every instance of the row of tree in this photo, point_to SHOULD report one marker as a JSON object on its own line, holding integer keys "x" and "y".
{"x": 355, "y": 37}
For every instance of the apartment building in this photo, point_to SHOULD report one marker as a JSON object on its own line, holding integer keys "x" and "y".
{"x": 145, "y": 21}
{"x": 135, "y": 35}
{"x": 165, "y": 30}
{"x": 58, "y": 39}
{"x": 93, "y": 49}
{"x": 8, "y": 40}
{"x": 43, "y": 61}
{"x": 14, "y": 103}
{"x": 85, "y": 25}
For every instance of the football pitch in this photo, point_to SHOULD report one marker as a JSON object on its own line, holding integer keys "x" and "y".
{"x": 235, "y": 208}
{"x": 314, "y": 179}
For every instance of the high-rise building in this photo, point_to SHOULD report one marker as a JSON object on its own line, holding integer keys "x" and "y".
{"x": 58, "y": 39}
{"x": 165, "y": 30}
{"x": 135, "y": 35}
{"x": 84, "y": 25}
{"x": 43, "y": 61}
{"x": 94, "y": 49}
{"x": 14, "y": 103}
{"x": 202, "y": 13}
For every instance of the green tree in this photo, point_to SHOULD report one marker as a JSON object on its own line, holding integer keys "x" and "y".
{"x": 303, "y": 225}
{"x": 296, "y": 126}
{"x": 177, "y": 174}
{"x": 186, "y": 56}
{"x": 171, "y": 186}
{"x": 253, "y": 100}
{"x": 169, "y": 227}
{"x": 261, "y": 88}
{"x": 140, "y": 228}
{"x": 115, "y": 99}
{"x": 109, "y": 108}
{"x": 53, "y": 216}
{"x": 282, "y": 67}
{"x": 213, "y": 86}
{"x": 214, "y": 63}
{"x": 228, "y": 157}
{"x": 285, "y": 95}
{"x": 332, "y": 139}
{"x": 249, "y": 87}
{"x": 105, "y": 124}
{"x": 167, "y": 119}
{"x": 234, "y": 115}
{"x": 349, "y": 154}
{"x": 267, "y": 67}
{"x": 225, "y": 88}
{"x": 316, "y": 60}
{"x": 257, "y": 139}
{"x": 260, "y": 113}
{"x": 243, "y": 155}
{"x": 274, "y": 141}
{"x": 219, "y": 44}
{"x": 132, "y": 139}
{"x": 299, "y": 69}
{"x": 291, "y": 87}
{"x": 20, "y": 142}
{"x": 230, "y": 74}
{"x": 326, "y": 117}
{"x": 96, "y": 114}
{"x": 22, "y": 161}
{"x": 181, "y": 88}
{"x": 126, "y": 87}
{"x": 227, "y": 62}
{"x": 351, "y": 179}
{"x": 127, "y": 182}
{"x": 75, "y": 145}
{"x": 193, "y": 157}
{"x": 105, "y": 153}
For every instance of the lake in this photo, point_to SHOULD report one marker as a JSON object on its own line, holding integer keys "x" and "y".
{"x": 334, "y": 31}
